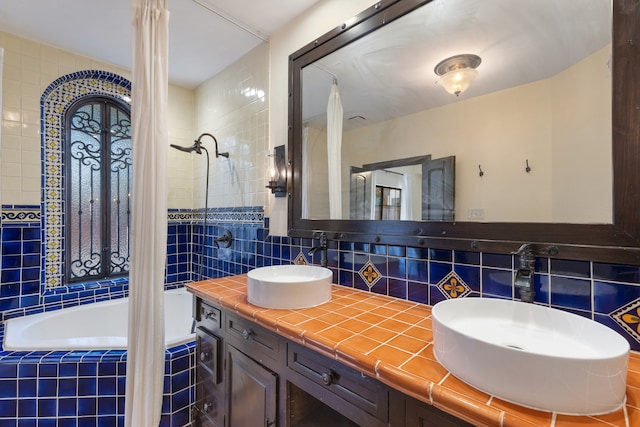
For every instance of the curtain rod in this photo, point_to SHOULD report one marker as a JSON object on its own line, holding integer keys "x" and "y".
{"x": 232, "y": 20}
{"x": 321, "y": 68}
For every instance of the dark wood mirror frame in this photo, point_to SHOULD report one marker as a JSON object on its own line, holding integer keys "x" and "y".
{"x": 618, "y": 242}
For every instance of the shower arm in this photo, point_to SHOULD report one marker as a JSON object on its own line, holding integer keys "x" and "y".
{"x": 198, "y": 148}
{"x": 218, "y": 154}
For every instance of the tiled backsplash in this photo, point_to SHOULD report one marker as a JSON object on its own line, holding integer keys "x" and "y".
{"x": 607, "y": 293}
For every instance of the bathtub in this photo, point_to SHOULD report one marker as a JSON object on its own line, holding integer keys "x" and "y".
{"x": 101, "y": 325}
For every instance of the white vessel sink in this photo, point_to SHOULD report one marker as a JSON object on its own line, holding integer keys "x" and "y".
{"x": 289, "y": 286}
{"x": 532, "y": 355}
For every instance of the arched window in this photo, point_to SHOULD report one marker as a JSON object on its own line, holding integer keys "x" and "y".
{"x": 98, "y": 188}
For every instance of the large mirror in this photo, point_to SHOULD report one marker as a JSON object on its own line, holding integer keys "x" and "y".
{"x": 532, "y": 147}
{"x": 538, "y": 104}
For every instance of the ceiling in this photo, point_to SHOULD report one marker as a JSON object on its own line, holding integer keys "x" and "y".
{"x": 393, "y": 67}
{"x": 205, "y": 36}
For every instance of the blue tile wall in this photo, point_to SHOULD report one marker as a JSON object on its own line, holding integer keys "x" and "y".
{"x": 36, "y": 385}
{"x": 21, "y": 289}
{"x": 20, "y": 266}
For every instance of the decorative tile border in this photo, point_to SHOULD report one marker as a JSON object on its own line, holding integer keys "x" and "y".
{"x": 180, "y": 216}
{"x": 20, "y": 215}
{"x": 251, "y": 214}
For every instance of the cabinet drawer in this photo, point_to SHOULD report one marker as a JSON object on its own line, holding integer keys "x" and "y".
{"x": 209, "y": 353}
{"x": 252, "y": 339}
{"x": 209, "y": 401}
{"x": 208, "y": 316}
{"x": 352, "y": 386}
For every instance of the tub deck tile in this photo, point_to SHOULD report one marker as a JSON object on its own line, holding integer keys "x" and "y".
{"x": 83, "y": 387}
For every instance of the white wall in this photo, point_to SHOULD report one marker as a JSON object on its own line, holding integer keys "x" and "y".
{"x": 29, "y": 68}
{"x": 233, "y": 107}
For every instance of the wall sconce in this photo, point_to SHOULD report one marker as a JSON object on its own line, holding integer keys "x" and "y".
{"x": 457, "y": 72}
{"x": 278, "y": 173}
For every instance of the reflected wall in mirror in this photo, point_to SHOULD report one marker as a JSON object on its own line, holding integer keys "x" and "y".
{"x": 541, "y": 100}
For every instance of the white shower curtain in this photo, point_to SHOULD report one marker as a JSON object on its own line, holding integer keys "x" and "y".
{"x": 306, "y": 181}
{"x": 145, "y": 357}
{"x": 334, "y": 151}
{"x": 406, "y": 202}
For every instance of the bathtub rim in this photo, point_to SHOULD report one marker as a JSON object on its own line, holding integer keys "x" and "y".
{"x": 36, "y": 317}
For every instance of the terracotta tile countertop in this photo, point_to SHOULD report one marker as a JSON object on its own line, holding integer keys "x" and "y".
{"x": 391, "y": 340}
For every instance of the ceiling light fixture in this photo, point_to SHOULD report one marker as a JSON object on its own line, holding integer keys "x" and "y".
{"x": 457, "y": 72}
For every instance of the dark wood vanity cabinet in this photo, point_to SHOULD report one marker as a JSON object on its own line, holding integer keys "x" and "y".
{"x": 253, "y": 391}
{"x": 250, "y": 376}
{"x": 252, "y": 362}
{"x": 236, "y": 379}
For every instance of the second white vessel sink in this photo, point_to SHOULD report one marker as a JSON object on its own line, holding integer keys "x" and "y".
{"x": 289, "y": 286}
{"x": 535, "y": 356}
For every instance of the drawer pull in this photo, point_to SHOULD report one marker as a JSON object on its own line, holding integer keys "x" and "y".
{"x": 204, "y": 356}
{"x": 327, "y": 378}
{"x": 247, "y": 333}
{"x": 210, "y": 315}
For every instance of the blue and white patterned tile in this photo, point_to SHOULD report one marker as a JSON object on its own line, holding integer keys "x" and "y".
{"x": 452, "y": 286}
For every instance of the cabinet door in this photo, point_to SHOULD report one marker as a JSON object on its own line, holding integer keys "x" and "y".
{"x": 253, "y": 391}
{"x": 422, "y": 415}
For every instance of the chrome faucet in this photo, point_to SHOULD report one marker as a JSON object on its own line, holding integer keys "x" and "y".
{"x": 322, "y": 246}
{"x": 523, "y": 278}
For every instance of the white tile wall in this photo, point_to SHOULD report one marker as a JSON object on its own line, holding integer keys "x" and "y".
{"x": 179, "y": 168}
{"x": 233, "y": 106}
{"x": 29, "y": 68}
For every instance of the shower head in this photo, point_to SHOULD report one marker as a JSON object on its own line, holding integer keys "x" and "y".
{"x": 197, "y": 147}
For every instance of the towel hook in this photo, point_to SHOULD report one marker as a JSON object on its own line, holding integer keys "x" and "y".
{"x": 481, "y": 173}
{"x": 527, "y": 169}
